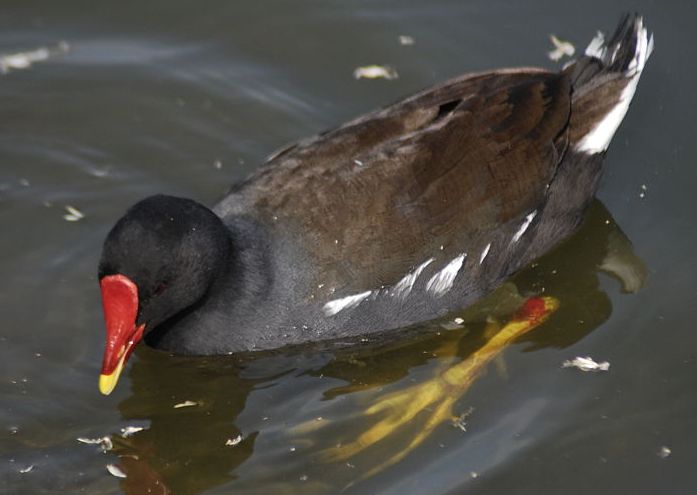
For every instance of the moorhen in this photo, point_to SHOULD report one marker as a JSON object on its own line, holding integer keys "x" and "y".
{"x": 399, "y": 216}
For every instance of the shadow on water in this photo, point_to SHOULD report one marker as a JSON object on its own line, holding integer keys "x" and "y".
{"x": 240, "y": 400}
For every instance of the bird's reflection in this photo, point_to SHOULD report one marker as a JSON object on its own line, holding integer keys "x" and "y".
{"x": 190, "y": 449}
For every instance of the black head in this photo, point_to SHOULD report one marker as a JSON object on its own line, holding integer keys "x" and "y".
{"x": 171, "y": 249}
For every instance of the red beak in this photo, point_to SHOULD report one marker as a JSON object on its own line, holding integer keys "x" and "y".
{"x": 120, "y": 304}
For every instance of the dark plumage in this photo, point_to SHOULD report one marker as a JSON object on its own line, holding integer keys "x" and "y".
{"x": 396, "y": 217}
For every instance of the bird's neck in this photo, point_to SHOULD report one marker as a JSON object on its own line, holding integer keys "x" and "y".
{"x": 241, "y": 282}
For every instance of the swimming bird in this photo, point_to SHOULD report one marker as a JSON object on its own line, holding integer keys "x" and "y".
{"x": 397, "y": 217}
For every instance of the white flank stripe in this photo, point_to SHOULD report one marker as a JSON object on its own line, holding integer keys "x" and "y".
{"x": 443, "y": 281}
{"x": 484, "y": 253}
{"x": 598, "y": 139}
{"x": 404, "y": 286}
{"x": 333, "y": 307}
{"x": 523, "y": 227}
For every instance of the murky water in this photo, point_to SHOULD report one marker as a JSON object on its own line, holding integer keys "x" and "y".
{"x": 177, "y": 98}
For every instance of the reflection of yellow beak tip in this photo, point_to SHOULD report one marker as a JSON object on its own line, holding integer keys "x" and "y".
{"x": 107, "y": 383}
{"x": 551, "y": 304}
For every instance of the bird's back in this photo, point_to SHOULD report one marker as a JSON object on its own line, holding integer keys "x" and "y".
{"x": 421, "y": 207}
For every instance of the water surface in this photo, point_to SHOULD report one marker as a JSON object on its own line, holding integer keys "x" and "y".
{"x": 183, "y": 99}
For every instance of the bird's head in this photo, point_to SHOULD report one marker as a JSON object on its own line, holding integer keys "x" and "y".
{"x": 159, "y": 259}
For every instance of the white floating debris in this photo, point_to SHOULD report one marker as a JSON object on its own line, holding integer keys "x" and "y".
{"x": 130, "y": 430}
{"x": 406, "y": 40}
{"x": 459, "y": 321}
{"x": 186, "y": 403}
{"x": 231, "y": 442}
{"x": 115, "y": 471}
{"x": 375, "y": 72}
{"x": 586, "y": 364}
{"x": 26, "y": 469}
{"x": 664, "y": 452}
{"x": 642, "y": 194}
{"x": 218, "y": 164}
{"x": 24, "y": 60}
{"x": 104, "y": 442}
{"x": 461, "y": 421}
{"x": 561, "y": 48}
{"x": 73, "y": 214}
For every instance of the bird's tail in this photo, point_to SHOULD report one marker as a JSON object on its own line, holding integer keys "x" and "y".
{"x": 604, "y": 80}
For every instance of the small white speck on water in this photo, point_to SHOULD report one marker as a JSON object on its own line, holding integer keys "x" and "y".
{"x": 406, "y": 40}
{"x": 292, "y": 449}
{"x": 348, "y": 464}
{"x": 73, "y": 214}
{"x": 474, "y": 474}
{"x": 231, "y": 442}
{"x": 24, "y": 60}
{"x": 375, "y": 72}
{"x": 115, "y": 471}
{"x": 24, "y": 182}
{"x": 104, "y": 442}
{"x": 459, "y": 321}
{"x": 186, "y": 403}
{"x": 26, "y": 469}
{"x": 586, "y": 364}
{"x": 218, "y": 164}
{"x": 100, "y": 172}
{"x": 561, "y": 48}
{"x": 461, "y": 421}
{"x": 441, "y": 247}
{"x": 664, "y": 452}
{"x": 127, "y": 431}
{"x": 304, "y": 477}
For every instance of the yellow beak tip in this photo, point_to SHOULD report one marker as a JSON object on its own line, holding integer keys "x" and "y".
{"x": 107, "y": 383}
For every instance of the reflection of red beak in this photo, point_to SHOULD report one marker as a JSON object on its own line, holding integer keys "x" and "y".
{"x": 120, "y": 303}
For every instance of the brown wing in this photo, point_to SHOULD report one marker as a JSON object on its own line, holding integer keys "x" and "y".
{"x": 432, "y": 173}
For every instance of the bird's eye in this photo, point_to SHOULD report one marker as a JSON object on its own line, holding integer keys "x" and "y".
{"x": 159, "y": 289}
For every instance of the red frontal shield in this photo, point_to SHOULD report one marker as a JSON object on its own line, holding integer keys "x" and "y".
{"x": 120, "y": 304}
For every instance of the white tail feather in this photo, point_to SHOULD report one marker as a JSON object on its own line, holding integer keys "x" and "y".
{"x": 598, "y": 139}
